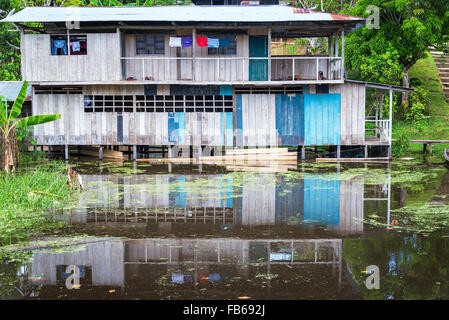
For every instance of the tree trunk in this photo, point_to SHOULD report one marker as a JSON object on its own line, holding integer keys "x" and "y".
{"x": 406, "y": 84}
{"x": 10, "y": 153}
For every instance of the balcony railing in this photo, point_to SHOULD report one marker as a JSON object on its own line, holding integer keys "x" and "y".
{"x": 380, "y": 129}
{"x": 233, "y": 69}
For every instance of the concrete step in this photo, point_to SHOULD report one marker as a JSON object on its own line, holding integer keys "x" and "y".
{"x": 443, "y": 74}
{"x": 442, "y": 65}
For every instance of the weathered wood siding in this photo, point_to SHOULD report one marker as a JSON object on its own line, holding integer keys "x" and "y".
{"x": 352, "y": 112}
{"x": 77, "y": 127}
{"x": 256, "y": 120}
{"x": 101, "y": 63}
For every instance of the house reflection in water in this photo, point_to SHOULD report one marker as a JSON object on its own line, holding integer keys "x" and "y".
{"x": 209, "y": 268}
{"x": 279, "y": 265}
{"x": 247, "y": 200}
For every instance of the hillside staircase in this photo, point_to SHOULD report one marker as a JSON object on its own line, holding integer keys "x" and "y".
{"x": 442, "y": 62}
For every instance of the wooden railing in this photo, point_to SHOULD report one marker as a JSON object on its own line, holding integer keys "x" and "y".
{"x": 381, "y": 129}
{"x": 302, "y": 69}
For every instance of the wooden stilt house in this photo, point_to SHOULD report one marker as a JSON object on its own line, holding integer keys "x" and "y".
{"x": 194, "y": 76}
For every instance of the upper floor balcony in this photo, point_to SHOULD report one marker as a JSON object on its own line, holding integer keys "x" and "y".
{"x": 244, "y": 59}
{"x": 123, "y": 45}
{"x": 148, "y": 57}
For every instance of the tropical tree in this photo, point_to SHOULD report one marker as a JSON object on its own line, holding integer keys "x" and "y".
{"x": 407, "y": 28}
{"x": 9, "y": 124}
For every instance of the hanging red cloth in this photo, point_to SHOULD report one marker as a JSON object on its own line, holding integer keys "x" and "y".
{"x": 201, "y": 41}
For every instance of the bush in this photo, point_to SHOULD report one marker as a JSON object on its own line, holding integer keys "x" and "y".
{"x": 416, "y": 108}
{"x": 400, "y": 145}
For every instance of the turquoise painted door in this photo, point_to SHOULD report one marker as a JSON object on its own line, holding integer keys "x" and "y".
{"x": 258, "y": 68}
{"x": 322, "y": 119}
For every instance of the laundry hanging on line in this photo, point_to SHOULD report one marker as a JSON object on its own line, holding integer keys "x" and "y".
{"x": 224, "y": 42}
{"x": 201, "y": 41}
{"x": 213, "y": 42}
{"x": 76, "y": 46}
{"x": 186, "y": 42}
{"x": 175, "y": 42}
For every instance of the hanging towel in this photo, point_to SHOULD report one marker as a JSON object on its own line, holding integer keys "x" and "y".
{"x": 186, "y": 42}
{"x": 201, "y": 41}
{"x": 225, "y": 42}
{"x": 213, "y": 42}
{"x": 76, "y": 46}
{"x": 59, "y": 44}
{"x": 175, "y": 42}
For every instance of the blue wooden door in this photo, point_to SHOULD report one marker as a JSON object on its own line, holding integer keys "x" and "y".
{"x": 322, "y": 119}
{"x": 258, "y": 68}
{"x": 290, "y": 119}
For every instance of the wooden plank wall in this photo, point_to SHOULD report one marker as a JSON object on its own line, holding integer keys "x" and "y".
{"x": 101, "y": 63}
{"x": 162, "y": 70}
{"x": 257, "y": 116}
{"x": 322, "y": 119}
{"x": 205, "y": 70}
{"x": 106, "y": 259}
{"x": 352, "y": 112}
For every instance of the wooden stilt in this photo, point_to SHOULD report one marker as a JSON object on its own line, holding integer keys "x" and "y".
{"x": 66, "y": 149}
{"x": 134, "y": 152}
{"x": 338, "y": 151}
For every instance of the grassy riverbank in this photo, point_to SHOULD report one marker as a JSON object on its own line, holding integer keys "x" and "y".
{"x": 436, "y": 124}
{"x": 29, "y": 196}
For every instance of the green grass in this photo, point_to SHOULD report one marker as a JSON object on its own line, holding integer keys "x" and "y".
{"x": 436, "y": 126}
{"x": 29, "y": 196}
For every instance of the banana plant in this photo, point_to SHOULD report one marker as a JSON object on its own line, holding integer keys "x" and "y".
{"x": 9, "y": 123}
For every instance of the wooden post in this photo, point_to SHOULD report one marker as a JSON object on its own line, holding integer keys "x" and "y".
{"x": 430, "y": 150}
{"x": 100, "y": 154}
{"x": 303, "y": 153}
{"x": 66, "y": 149}
{"x": 170, "y": 152}
{"x": 193, "y": 53}
{"x": 391, "y": 117}
{"x": 342, "y": 54}
{"x": 366, "y": 151}
{"x": 338, "y": 151}
{"x": 269, "y": 56}
{"x": 134, "y": 153}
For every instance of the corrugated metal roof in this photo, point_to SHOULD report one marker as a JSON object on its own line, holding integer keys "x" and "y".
{"x": 269, "y": 13}
{"x": 382, "y": 86}
{"x": 11, "y": 89}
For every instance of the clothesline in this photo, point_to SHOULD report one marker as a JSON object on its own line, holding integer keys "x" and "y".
{"x": 185, "y": 42}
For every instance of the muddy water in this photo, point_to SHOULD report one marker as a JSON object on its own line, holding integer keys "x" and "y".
{"x": 161, "y": 231}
